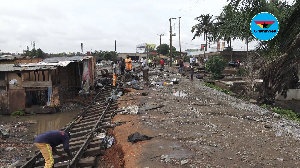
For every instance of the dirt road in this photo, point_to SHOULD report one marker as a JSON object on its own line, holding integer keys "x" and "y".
{"x": 196, "y": 126}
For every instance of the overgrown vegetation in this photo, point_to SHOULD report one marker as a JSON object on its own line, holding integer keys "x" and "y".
{"x": 18, "y": 113}
{"x": 216, "y": 66}
{"x": 278, "y": 59}
{"x": 290, "y": 114}
{"x": 217, "y": 88}
{"x": 242, "y": 71}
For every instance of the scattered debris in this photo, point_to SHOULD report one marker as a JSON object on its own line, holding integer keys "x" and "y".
{"x": 132, "y": 82}
{"x": 134, "y": 138}
{"x": 130, "y": 110}
{"x": 137, "y": 87}
{"x": 109, "y": 141}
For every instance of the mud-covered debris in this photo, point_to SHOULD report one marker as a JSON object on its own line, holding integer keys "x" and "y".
{"x": 130, "y": 110}
{"x": 183, "y": 162}
{"x": 135, "y": 137}
{"x": 165, "y": 158}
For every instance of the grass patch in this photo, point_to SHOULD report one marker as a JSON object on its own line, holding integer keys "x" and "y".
{"x": 290, "y": 114}
{"x": 217, "y": 88}
{"x": 18, "y": 113}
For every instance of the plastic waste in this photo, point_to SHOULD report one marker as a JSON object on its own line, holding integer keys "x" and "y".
{"x": 159, "y": 83}
{"x": 109, "y": 141}
{"x": 132, "y": 82}
{"x": 137, "y": 87}
{"x": 199, "y": 76}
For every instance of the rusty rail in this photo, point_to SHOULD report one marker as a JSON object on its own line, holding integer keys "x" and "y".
{"x": 84, "y": 130}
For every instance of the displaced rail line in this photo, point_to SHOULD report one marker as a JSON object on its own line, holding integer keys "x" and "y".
{"x": 87, "y": 131}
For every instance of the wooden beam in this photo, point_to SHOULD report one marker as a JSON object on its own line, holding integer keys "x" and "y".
{"x": 3, "y": 82}
{"x": 37, "y": 83}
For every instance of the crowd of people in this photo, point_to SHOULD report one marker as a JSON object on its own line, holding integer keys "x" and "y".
{"x": 125, "y": 65}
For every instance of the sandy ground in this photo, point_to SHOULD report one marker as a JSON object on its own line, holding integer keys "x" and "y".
{"x": 196, "y": 126}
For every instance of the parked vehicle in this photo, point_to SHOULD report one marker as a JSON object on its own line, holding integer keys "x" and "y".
{"x": 233, "y": 63}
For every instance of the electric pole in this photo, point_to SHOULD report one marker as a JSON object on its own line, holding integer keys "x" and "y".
{"x": 171, "y": 41}
{"x": 179, "y": 40}
{"x": 160, "y": 43}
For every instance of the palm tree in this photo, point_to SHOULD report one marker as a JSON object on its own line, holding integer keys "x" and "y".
{"x": 204, "y": 26}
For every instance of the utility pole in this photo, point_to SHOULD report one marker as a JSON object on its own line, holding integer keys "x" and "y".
{"x": 160, "y": 43}
{"x": 179, "y": 39}
{"x": 171, "y": 41}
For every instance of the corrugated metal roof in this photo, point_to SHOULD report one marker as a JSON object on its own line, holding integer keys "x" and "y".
{"x": 72, "y": 59}
{"x": 13, "y": 67}
{"x": 49, "y": 63}
{"x": 42, "y": 63}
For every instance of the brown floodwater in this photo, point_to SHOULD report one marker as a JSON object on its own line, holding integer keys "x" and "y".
{"x": 43, "y": 122}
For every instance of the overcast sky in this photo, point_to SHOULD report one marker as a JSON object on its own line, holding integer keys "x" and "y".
{"x": 61, "y": 25}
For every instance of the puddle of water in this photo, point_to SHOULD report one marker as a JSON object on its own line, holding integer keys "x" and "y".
{"x": 44, "y": 122}
{"x": 180, "y": 94}
{"x": 179, "y": 152}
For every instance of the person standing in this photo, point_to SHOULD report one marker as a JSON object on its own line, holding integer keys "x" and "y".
{"x": 180, "y": 66}
{"x": 122, "y": 65}
{"x": 154, "y": 62}
{"x": 145, "y": 71}
{"x": 47, "y": 142}
{"x": 114, "y": 73}
{"x": 191, "y": 61}
{"x": 149, "y": 62}
{"x": 192, "y": 72}
{"x": 162, "y": 63}
{"x": 141, "y": 63}
{"x": 128, "y": 63}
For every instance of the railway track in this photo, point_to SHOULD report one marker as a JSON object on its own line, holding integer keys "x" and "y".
{"x": 87, "y": 132}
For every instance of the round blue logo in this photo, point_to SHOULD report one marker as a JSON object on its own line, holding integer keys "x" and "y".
{"x": 264, "y": 26}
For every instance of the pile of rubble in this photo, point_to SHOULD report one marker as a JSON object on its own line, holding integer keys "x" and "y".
{"x": 14, "y": 143}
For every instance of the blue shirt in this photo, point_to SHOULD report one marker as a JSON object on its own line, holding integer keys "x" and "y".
{"x": 54, "y": 138}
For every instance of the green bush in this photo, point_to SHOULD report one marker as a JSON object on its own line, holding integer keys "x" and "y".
{"x": 18, "y": 113}
{"x": 217, "y": 88}
{"x": 242, "y": 71}
{"x": 216, "y": 66}
{"x": 290, "y": 114}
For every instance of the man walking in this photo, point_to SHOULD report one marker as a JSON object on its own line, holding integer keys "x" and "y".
{"x": 47, "y": 142}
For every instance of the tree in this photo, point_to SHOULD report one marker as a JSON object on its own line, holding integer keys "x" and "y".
{"x": 204, "y": 26}
{"x": 40, "y": 53}
{"x": 216, "y": 66}
{"x": 174, "y": 52}
{"x": 35, "y": 53}
{"x": 163, "y": 49}
{"x": 280, "y": 67}
{"x": 107, "y": 56}
{"x": 226, "y": 26}
{"x": 112, "y": 55}
{"x": 277, "y": 61}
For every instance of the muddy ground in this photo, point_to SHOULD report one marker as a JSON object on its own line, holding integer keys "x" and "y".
{"x": 192, "y": 126}
{"x": 196, "y": 126}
